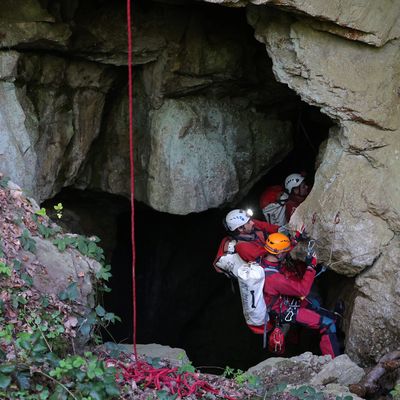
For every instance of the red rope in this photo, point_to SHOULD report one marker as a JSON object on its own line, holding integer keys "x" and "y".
{"x": 132, "y": 180}
{"x": 170, "y": 379}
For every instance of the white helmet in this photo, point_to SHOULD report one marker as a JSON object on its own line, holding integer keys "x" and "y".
{"x": 293, "y": 181}
{"x": 236, "y": 218}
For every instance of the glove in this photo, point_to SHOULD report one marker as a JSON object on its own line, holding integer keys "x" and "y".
{"x": 301, "y": 234}
{"x": 311, "y": 260}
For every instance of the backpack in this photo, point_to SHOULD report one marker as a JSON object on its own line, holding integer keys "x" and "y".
{"x": 250, "y": 277}
{"x": 273, "y": 204}
{"x": 227, "y": 260}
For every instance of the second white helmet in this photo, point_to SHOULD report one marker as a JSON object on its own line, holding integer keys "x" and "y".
{"x": 293, "y": 181}
{"x": 236, "y": 218}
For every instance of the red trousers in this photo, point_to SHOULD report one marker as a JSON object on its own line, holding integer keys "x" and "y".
{"x": 326, "y": 326}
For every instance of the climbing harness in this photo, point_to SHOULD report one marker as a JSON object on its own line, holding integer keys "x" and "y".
{"x": 291, "y": 312}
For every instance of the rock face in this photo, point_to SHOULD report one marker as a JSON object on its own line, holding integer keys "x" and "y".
{"x": 322, "y": 373}
{"x": 362, "y": 21}
{"x": 355, "y": 196}
{"x": 192, "y": 75}
{"x": 208, "y": 151}
{"x": 27, "y": 247}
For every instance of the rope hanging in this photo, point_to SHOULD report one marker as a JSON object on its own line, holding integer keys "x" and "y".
{"x": 131, "y": 163}
{"x": 139, "y": 371}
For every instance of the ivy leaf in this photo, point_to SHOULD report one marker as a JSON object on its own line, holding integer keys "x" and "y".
{"x": 23, "y": 379}
{"x": 70, "y": 293}
{"x": 82, "y": 246}
{"x": 4, "y": 182}
{"x": 100, "y": 311}
{"x": 7, "y": 368}
{"x": 17, "y": 265}
{"x": 61, "y": 244}
{"x": 112, "y": 389}
{"x": 5, "y": 380}
{"x": 41, "y": 212}
{"x": 28, "y": 279}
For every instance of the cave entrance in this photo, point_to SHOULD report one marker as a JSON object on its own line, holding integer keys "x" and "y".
{"x": 181, "y": 301}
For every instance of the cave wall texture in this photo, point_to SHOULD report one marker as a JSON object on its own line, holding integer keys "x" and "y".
{"x": 211, "y": 94}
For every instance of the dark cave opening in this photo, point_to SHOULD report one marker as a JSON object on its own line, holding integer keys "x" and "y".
{"x": 181, "y": 300}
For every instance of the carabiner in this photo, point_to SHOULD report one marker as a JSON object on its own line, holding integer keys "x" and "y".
{"x": 310, "y": 246}
{"x": 289, "y": 315}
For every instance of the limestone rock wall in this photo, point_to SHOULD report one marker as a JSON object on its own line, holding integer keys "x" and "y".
{"x": 355, "y": 202}
{"x": 365, "y": 21}
{"x": 72, "y": 111}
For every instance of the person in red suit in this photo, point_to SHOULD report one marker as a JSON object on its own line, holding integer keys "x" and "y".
{"x": 250, "y": 234}
{"x": 297, "y": 190}
{"x": 285, "y": 293}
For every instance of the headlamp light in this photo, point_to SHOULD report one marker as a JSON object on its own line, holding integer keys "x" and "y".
{"x": 249, "y": 212}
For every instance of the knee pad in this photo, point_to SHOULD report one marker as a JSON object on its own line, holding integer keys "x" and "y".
{"x": 328, "y": 324}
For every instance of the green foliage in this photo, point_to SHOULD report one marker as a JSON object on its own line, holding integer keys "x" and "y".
{"x": 279, "y": 388}
{"x": 84, "y": 245}
{"x": 395, "y": 393}
{"x": 41, "y": 212}
{"x": 241, "y": 377}
{"x": 344, "y": 397}
{"x": 104, "y": 273}
{"x": 27, "y": 242}
{"x": 36, "y": 332}
{"x": 87, "y": 377}
{"x": 5, "y": 270}
{"x": 47, "y": 231}
{"x": 59, "y": 209}
{"x": 306, "y": 393}
{"x": 187, "y": 367}
{"x": 4, "y": 182}
{"x": 70, "y": 293}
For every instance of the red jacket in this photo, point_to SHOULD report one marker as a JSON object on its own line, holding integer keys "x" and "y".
{"x": 282, "y": 283}
{"x": 253, "y": 249}
{"x": 291, "y": 205}
{"x": 249, "y": 250}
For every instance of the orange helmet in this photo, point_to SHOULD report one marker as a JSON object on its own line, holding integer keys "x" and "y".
{"x": 277, "y": 243}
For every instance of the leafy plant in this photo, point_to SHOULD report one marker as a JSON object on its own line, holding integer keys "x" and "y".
{"x": 70, "y": 293}
{"x": 59, "y": 209}
{"x": 241, "y": 377}
{"x": 5, "y": 269}
{"x": 36, "y": 332}
{"x": 395, "y": 393}
{"x": 307, "y": 393}
{"x": 87, "y": 377}
{"x": 27, "y": 242}
{"x": 86, "y": 246}
{"x": 41, "y": 212}
{"x": 4, "y": 182}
